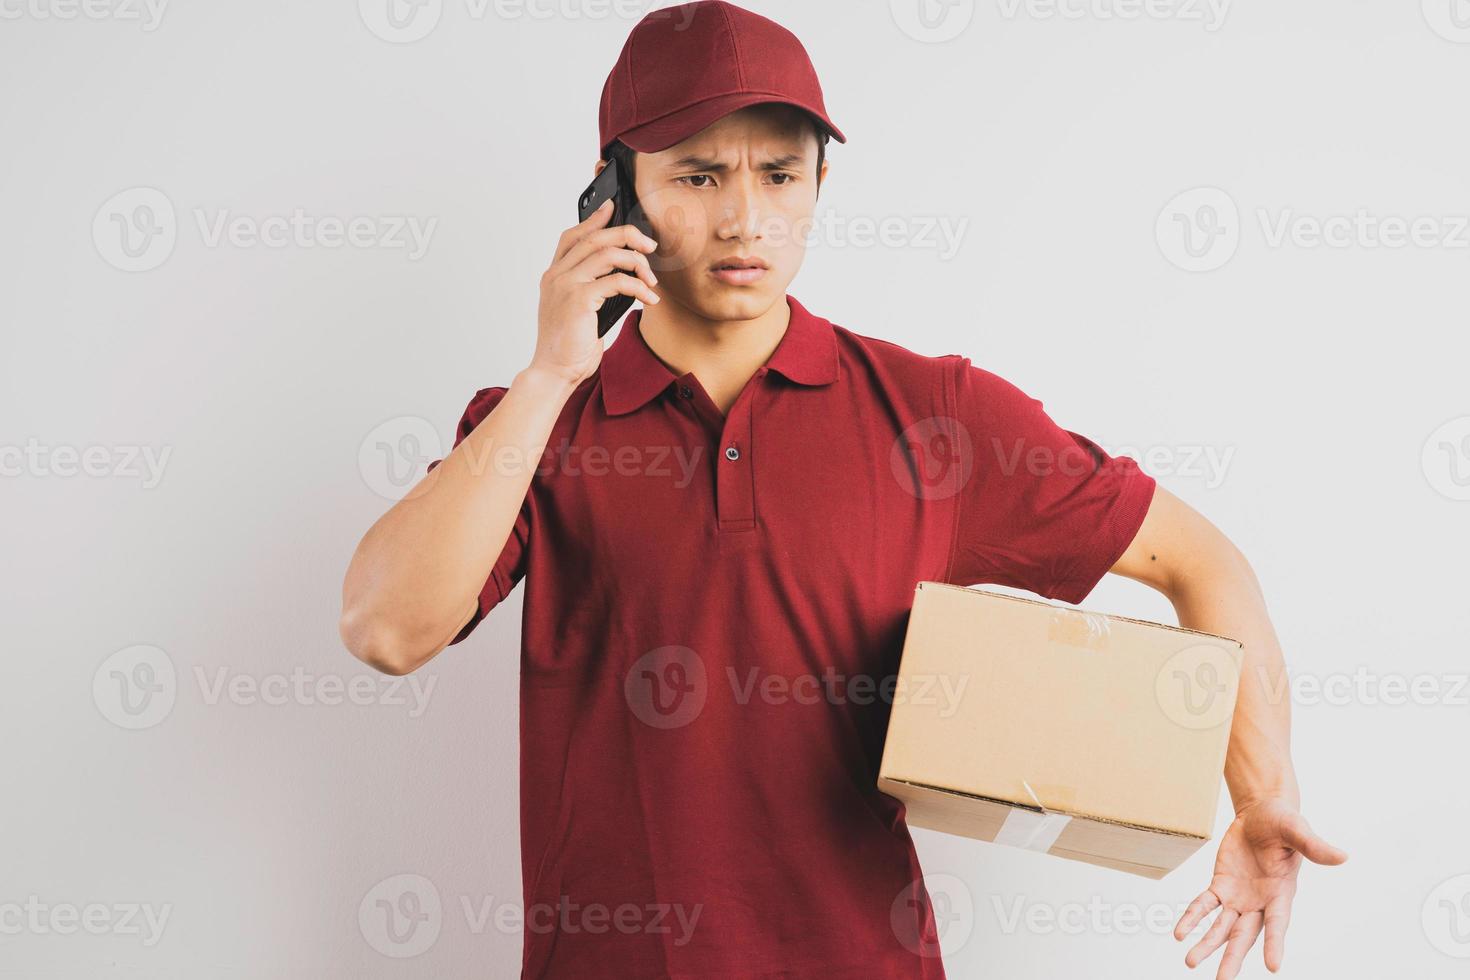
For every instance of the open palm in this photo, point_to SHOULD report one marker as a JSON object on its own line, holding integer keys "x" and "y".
{"x": 1253, "y": 884}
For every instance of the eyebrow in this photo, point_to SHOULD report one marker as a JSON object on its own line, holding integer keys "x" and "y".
{"x": 786, "y": 161}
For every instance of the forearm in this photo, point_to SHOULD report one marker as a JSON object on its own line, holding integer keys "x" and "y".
{"x": 417, "y": 573}
{"x": 1223, "y": 596}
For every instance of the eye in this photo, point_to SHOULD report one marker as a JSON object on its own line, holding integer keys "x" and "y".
{"x": 789, "y": 178}
{"x": 695, "y": 177}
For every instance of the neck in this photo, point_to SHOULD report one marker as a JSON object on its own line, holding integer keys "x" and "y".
{"x": 722, "y": 354}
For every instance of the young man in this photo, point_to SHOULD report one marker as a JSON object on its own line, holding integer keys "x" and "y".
{"x": 720, "y": 542}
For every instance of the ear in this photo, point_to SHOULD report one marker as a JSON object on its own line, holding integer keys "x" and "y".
{"x": 597, "y": 169}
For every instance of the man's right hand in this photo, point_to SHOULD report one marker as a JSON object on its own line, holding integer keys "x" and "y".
{"x": 576, "y": 285}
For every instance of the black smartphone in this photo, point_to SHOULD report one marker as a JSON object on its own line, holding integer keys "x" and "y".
{"x": 613, "y": 183}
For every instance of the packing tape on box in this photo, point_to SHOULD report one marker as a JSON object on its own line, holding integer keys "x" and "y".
{"x": 1032, "y": 831}
{"x": 1075, "y": 628}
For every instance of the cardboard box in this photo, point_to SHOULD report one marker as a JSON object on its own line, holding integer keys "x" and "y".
{"x": 1092, "y": 737}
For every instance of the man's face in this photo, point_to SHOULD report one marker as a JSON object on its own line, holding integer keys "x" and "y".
{"x": 745, "y": 187}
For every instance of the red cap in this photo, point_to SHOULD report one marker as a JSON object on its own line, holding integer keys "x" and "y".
{"x": 683, "y": 67}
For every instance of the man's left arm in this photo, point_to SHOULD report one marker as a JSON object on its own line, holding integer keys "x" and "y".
{"x": 1213, "y": 589}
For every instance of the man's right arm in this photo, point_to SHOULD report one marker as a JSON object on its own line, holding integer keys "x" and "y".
{"x": 415, "y": 579}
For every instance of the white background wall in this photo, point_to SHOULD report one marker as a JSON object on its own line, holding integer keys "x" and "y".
{"x": 1320, "y": 375}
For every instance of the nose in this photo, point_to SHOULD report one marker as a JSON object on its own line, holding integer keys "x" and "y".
{"x": 740, "y": 215}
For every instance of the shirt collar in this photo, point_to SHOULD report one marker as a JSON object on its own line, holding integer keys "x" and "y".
{"x": 632, "y": 374}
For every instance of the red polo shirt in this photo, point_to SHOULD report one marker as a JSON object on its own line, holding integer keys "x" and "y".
{"x": 712, "y": 605}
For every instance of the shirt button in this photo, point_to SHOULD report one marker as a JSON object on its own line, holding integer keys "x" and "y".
{"x": 686, "y": 392}
{"x": 732, "y": 453}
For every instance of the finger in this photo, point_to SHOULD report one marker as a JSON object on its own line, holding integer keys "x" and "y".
{"x": 1242, "y": 938}
{"x": 618, "y": 284}
{"x": 619, "y": 236}
{"x": 1198, "y": 909}
{"x": 1213, "y": 938}
{"x": 576, "y": 232}
{"x": 1300, "y": 836}
{"x": 1278, "y": 915}
{"x": 606, "y": 260}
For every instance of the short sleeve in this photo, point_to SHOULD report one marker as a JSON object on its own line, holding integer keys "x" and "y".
{"x": 1044, "y": 509}
{"x": 510, "y": 567}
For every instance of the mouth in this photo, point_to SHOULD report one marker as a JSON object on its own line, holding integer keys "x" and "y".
{"x": 740, "y": 270}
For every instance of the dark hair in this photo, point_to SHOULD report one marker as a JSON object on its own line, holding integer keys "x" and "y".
{"x": 620, "y": 151}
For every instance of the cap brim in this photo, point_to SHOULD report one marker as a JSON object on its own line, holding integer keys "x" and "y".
{"x": 664, "y": 132}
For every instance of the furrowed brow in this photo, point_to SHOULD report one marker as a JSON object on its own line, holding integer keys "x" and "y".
{"x": 785, "y": 161}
